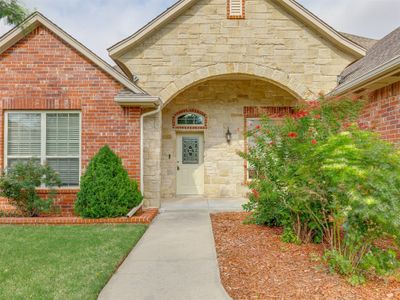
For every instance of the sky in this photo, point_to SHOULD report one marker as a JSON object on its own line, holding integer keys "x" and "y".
{"x": 99, "y": 24}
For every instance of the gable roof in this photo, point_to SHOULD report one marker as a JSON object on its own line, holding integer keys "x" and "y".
{"x": 291, "y": 6}
{"x": 36, "y": 19}
{"x": 382, "y": 59}
{"x": 365, "y": 42}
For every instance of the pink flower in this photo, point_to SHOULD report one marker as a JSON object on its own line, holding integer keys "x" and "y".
{"x": 317, "y": 116}
{"x": 300, "y": 114}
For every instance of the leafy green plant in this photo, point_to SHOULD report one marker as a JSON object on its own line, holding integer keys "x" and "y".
{"x": 362, "y": 174}
{"x": 19, "y": 184}
{"x": 12, "y": 11}
{"x": 280, "y": 151}
{"x": 288, "y": 236}
{"x": 106, "y": 189}
{"x": 324, "y": 179}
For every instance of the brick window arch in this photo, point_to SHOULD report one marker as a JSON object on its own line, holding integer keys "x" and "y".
{"x": 189, "y": 119}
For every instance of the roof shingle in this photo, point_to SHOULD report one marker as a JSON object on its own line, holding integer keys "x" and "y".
{"x": 364, "y": 42}
{"x": 382, "y": 52}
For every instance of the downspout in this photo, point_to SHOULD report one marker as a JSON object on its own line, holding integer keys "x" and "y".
{"x": 150, "y": 113}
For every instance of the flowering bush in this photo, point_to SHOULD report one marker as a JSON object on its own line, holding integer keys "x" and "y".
{"x": 325, "y": 180}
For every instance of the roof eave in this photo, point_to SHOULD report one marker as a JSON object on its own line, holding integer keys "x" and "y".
{"x": 387, "y": 69}
{"x": 37, "y": 19}
{"x": 138, "y": 100}
{"x": 322, "y": 27}
{"x": 120, "y": 48}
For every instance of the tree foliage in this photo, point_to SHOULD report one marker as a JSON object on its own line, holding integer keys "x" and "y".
{"x": 12, "y": 11}
{"x": 106, "y": 189}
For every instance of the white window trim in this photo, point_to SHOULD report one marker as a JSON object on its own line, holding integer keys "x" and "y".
{"x": 43, "y": 139}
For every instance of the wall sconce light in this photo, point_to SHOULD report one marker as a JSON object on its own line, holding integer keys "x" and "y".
{"x": 228, "y": 136}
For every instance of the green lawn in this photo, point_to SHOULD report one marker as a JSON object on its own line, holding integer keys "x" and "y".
{"x": 61, "y": 262}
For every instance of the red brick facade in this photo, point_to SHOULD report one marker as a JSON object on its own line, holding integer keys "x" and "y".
{"x": 382, "y": 112}
{"x": 41, "y": 72}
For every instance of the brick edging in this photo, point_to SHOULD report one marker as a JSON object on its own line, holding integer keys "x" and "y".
{"x": 146, "y": 217}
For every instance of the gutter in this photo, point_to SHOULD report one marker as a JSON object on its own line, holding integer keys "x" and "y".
{"x": 150, "y": 113}
{"x": 364, "y": 79}
{"x": 137, "y": 100}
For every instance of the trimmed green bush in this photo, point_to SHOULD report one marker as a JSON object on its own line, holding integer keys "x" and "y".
{"x": 106, "y": 189}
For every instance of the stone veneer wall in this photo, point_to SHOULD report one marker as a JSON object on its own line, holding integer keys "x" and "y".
{"x": 268, "y": 37}
{"x": 223, "y": 102}
{"x": 202, "y": 43}
{"x": 152, "y": 154}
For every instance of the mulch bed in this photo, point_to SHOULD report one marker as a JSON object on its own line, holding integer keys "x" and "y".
{"x": 142, "y": 217}
{"x": 255, "y": 264}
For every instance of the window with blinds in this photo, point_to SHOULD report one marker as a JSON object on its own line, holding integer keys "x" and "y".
{"x": 48, "y": 137}
{"x": 236, "y": 8}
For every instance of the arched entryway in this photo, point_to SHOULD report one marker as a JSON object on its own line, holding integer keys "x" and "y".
{"x": 225, "y": 103}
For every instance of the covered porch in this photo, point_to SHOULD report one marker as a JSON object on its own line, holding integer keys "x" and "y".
{"x": 203, "y": 128}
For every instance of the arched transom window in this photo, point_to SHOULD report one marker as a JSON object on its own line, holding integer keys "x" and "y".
{"x": 190, "y": 119}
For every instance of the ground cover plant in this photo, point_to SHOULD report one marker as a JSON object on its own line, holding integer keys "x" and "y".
{"x": 62, "y": 262}
{"x": 324, "y": 178}
{"x": 106, "y": 190}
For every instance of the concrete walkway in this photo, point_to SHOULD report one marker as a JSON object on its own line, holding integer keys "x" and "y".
{"x": 176, "y": 257}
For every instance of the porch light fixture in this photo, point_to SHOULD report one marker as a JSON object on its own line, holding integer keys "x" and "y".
{"x": 228, "y": 136}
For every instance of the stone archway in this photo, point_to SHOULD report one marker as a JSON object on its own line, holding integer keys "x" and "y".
{"x": 275, "y": 76}
{"x": 227, "y": 101}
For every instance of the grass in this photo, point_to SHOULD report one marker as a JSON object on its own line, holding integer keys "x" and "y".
{"x": 62, "y": 262}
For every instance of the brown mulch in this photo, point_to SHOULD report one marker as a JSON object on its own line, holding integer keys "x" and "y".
{"x": 255, "y": 264}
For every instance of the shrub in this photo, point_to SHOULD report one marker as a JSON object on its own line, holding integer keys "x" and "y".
{"x": 325, "y": 180}
{"x": 106, "y": 189}
{"x": 361, "y": 174}
{"x": 19, "y": 185}
{"x": 280, "y": 151}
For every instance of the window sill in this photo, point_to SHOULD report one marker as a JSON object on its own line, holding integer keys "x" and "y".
{"x": 62, "y": 190}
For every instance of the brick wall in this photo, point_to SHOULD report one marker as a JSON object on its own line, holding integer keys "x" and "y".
{"x": 382, "y": 112}
{"x": 41, "y": 72}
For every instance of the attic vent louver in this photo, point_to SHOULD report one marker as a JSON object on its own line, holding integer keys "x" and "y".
{"x": 236, "y": 9}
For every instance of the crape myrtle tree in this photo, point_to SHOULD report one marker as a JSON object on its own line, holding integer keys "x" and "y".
{"x": 326, "y": 179}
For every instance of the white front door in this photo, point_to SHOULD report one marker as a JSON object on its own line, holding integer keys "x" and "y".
{"x": 190, "y": 164}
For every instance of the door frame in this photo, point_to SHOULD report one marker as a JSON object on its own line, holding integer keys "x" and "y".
{"x": 179, "y": 135}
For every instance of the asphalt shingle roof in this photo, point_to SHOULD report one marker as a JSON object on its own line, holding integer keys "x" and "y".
{"x": 382, "y": 52}
{"x": 364, "y": 42}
